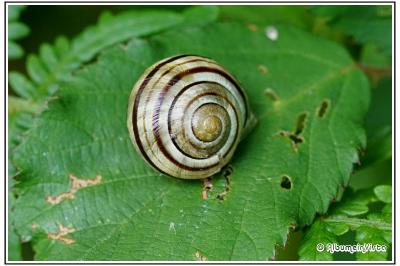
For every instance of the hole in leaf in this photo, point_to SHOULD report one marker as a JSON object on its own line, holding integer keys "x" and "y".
{"x": 226, "y": 173}
{"x": 263, "y": 69}
{"x": 300, "y": 123}
{"x": 323, "y": 108}
{"x": 286, "y": 183}
{"x": 221, "y": 196}
{"x": 295, "y": 137}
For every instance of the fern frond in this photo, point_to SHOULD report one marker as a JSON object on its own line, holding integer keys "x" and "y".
{"x": 56, "y": 62}
{"x": 16, "y": 31}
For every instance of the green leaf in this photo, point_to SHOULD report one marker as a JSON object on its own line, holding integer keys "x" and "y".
{"x": 35, "y": 69}
{"x": 371, "y": 228}
{"x": 370, "y": 25}
{"x": 14, "y": 50}
{"x": 49, "y": 56}
{"x": 14, "y": 12}
{"x": 330, "y": 12}
{"x": 14, "y": 244}
{"x": 337, "y": 228}
{"x": 16, "y": 31}
{"x": 371, "y": 55}
{"x": 384, "y": 193}
{"x": 61, "y": 46}
{"x": 19, "y": 120}
{"x": 379, "y": 124}
{"x": 315, "y": 243}
{"x": 376, "y": 164}
{"x": 22, "y": 86}
{"x": 387, "y": 213}
{"x": 135, "y": 213}
{"x": 268, "y": 15}
{"x": 355, "y": 223}
{"x": 200, "y": 15}
{"x": 354, "y": 203}
{"x": 372, "y": 175}
{"x": 372, "y": 236}
{"x": 122, "y": 27}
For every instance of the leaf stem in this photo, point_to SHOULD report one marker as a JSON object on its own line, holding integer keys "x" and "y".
{"x": 375, "y": 71}
{"x": 356, "y": 222}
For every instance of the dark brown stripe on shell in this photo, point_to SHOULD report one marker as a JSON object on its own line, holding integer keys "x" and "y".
{"x": 236, "y": 115}
{"x": 172, "y": 107}
{"x": 192, "y": 144}
{"x": 170, "y": 111}
{"x": 135, "y": 107}
{"x": 158, "y": 107}
{"x": 220, "y": 96}
{"x": 172, "y": 82}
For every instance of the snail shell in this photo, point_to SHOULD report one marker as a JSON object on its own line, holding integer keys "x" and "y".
{"x": 186, "y": 116}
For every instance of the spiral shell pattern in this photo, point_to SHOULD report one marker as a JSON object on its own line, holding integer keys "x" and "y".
{"x": 186, "y": 115}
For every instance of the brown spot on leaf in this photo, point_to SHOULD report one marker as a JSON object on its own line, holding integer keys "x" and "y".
{"x": 207, "y": 186}
{"x": 34, "y": 226}
{"x": 199, "y": 256}
{"x": 375, "y": 73}
{"x": 59, "y": 198}
{"x": 271, "y": 94}
{"x": 263, "y": 69}
{"x": 76, "y": 184}
{"x": 252, "y": 27}
{"x": 61, "y": 234}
